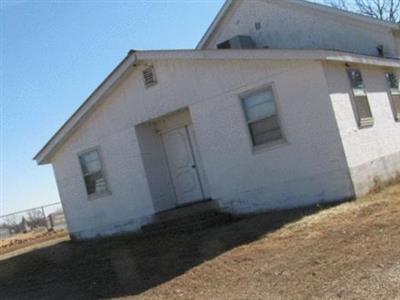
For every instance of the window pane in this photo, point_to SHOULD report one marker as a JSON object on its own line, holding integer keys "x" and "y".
{"x": 392, "y": 80}
{"x": 95, "y": 183}
{"x": 93, "y": 166}
{"x": 356, "y": 79}
{"x": 396, "y": 106}
{"x": 92, "y": 172}
{"x": 90, "y": 156}
{"x": 363, "y": 110}
{"x": 259, "y": 106}
{"x": 265, "y": 131}
{"x": 90, "y": 162}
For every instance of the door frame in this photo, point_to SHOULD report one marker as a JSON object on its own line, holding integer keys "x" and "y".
{"x": 196, "y": 163}
{"x": 194, "y": 158}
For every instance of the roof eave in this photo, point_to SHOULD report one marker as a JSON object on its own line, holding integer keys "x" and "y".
{"x": 267, "y": 54}
{"x": 364, "y": 60}
{"x": 44, "y": 155}
{"x": 224, "y": 9}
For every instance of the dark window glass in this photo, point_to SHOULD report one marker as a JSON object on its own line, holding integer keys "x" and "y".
{"x": 262, "y": 117}
{"x": 356, "y": 79}
{"x": 361, "y": 103}
{"x": 265, "y": 130}
{"x": 396, "y": 106}
{"x": 364, "y": 111}
{"x": 393, "y": 83}
{"x": 92, "y": 172}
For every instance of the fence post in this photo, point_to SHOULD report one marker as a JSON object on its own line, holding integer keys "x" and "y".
{"x": 45, "y": 218}
{"x": 51, "y": 216}
{"x": 13, "y": 222}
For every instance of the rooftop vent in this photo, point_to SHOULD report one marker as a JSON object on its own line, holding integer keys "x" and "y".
{"x": 149, "y": 77}
{"x": 238, "y": 42}
{"x": 380, "y": 48}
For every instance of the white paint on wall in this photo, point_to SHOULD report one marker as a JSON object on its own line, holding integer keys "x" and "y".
{"x": 155, "y": 166}
{"x": 287, "y": 25}
{"x": 325, "y": 156}
{"x": 309, "y": 168}
{"x": 129, "y": 202}
{"x": 370, "y": 152}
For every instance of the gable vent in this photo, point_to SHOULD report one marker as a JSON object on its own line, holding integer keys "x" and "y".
{"x": 149, "y": 77}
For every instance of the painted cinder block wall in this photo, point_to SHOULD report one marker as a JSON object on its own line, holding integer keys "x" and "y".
{"x": 310, "y": 167}
{"x": 372, "y": 153}
{"x": 156, "y": 167}
{"x": 287, "y": 25}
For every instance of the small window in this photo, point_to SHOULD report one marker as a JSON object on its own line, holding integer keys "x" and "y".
{"x": 262, "y": 117}
{"x": 360, "y": 98}
{"x": 93, "y": 172}
{"x": 393, "y": 83}
{"x": 149, "y": 77}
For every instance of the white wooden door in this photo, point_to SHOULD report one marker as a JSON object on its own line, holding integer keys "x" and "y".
{"x": 182, "y": 166}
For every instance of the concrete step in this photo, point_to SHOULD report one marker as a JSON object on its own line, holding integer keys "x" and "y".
{"x": 187, "y": 210}
{"x": 189, "y": 223}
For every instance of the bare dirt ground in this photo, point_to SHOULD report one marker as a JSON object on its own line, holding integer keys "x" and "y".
{"x": 351, "y": 251}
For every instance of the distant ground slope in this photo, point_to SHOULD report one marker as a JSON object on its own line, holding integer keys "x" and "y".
{"x": 351, "y": 251}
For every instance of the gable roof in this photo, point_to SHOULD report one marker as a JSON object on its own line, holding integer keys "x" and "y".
{"x": 83, "y": 111}
{"x": 230, "y": 4}
{"x": 134, "y": 57}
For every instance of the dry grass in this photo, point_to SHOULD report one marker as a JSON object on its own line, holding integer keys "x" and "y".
{"x": 24, "y": 240}
{"x": 351, "y": 251}
{"x": 380, "y": 185}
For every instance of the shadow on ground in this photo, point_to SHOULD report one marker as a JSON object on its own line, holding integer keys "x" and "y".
{"x": 126, "y": 265}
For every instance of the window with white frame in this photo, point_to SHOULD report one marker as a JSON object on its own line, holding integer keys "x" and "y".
{"x": 262, "y": 117}
{"x": 393, "y": 83}
{"x": 93, "y": 172}
{"x": 360, "y": 99}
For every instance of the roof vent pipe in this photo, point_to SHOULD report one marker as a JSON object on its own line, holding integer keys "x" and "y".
{"x": 380, "y": 50}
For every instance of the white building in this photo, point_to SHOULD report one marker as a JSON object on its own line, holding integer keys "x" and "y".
{"x": 312, "y": 118}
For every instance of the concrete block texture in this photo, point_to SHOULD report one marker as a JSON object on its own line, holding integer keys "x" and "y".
{"x": 371, "y": 175}
{"x": 322, "y": 145}
{"x": 372, "y": 154}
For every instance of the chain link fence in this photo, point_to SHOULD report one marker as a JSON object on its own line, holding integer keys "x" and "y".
{"x": 44, "y": 218}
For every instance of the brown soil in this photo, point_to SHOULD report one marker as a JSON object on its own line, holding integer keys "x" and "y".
{"x": 351, "y": 251}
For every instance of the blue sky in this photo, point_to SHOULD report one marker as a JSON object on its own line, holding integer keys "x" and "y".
{"x": 54, "y": 54}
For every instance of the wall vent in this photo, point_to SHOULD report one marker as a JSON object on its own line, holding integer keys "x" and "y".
{"x": 149, "y": 77}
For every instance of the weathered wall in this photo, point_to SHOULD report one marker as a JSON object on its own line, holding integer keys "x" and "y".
{"x": 285, "y": 25}
{"x": 371, "y": 152}
{"x": 310, "y": 167}
{"x": 156, "y": 167}
{"x": 129, "y": 204}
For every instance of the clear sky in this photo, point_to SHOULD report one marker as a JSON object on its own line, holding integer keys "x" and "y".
{"x": 54, "y": 54}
